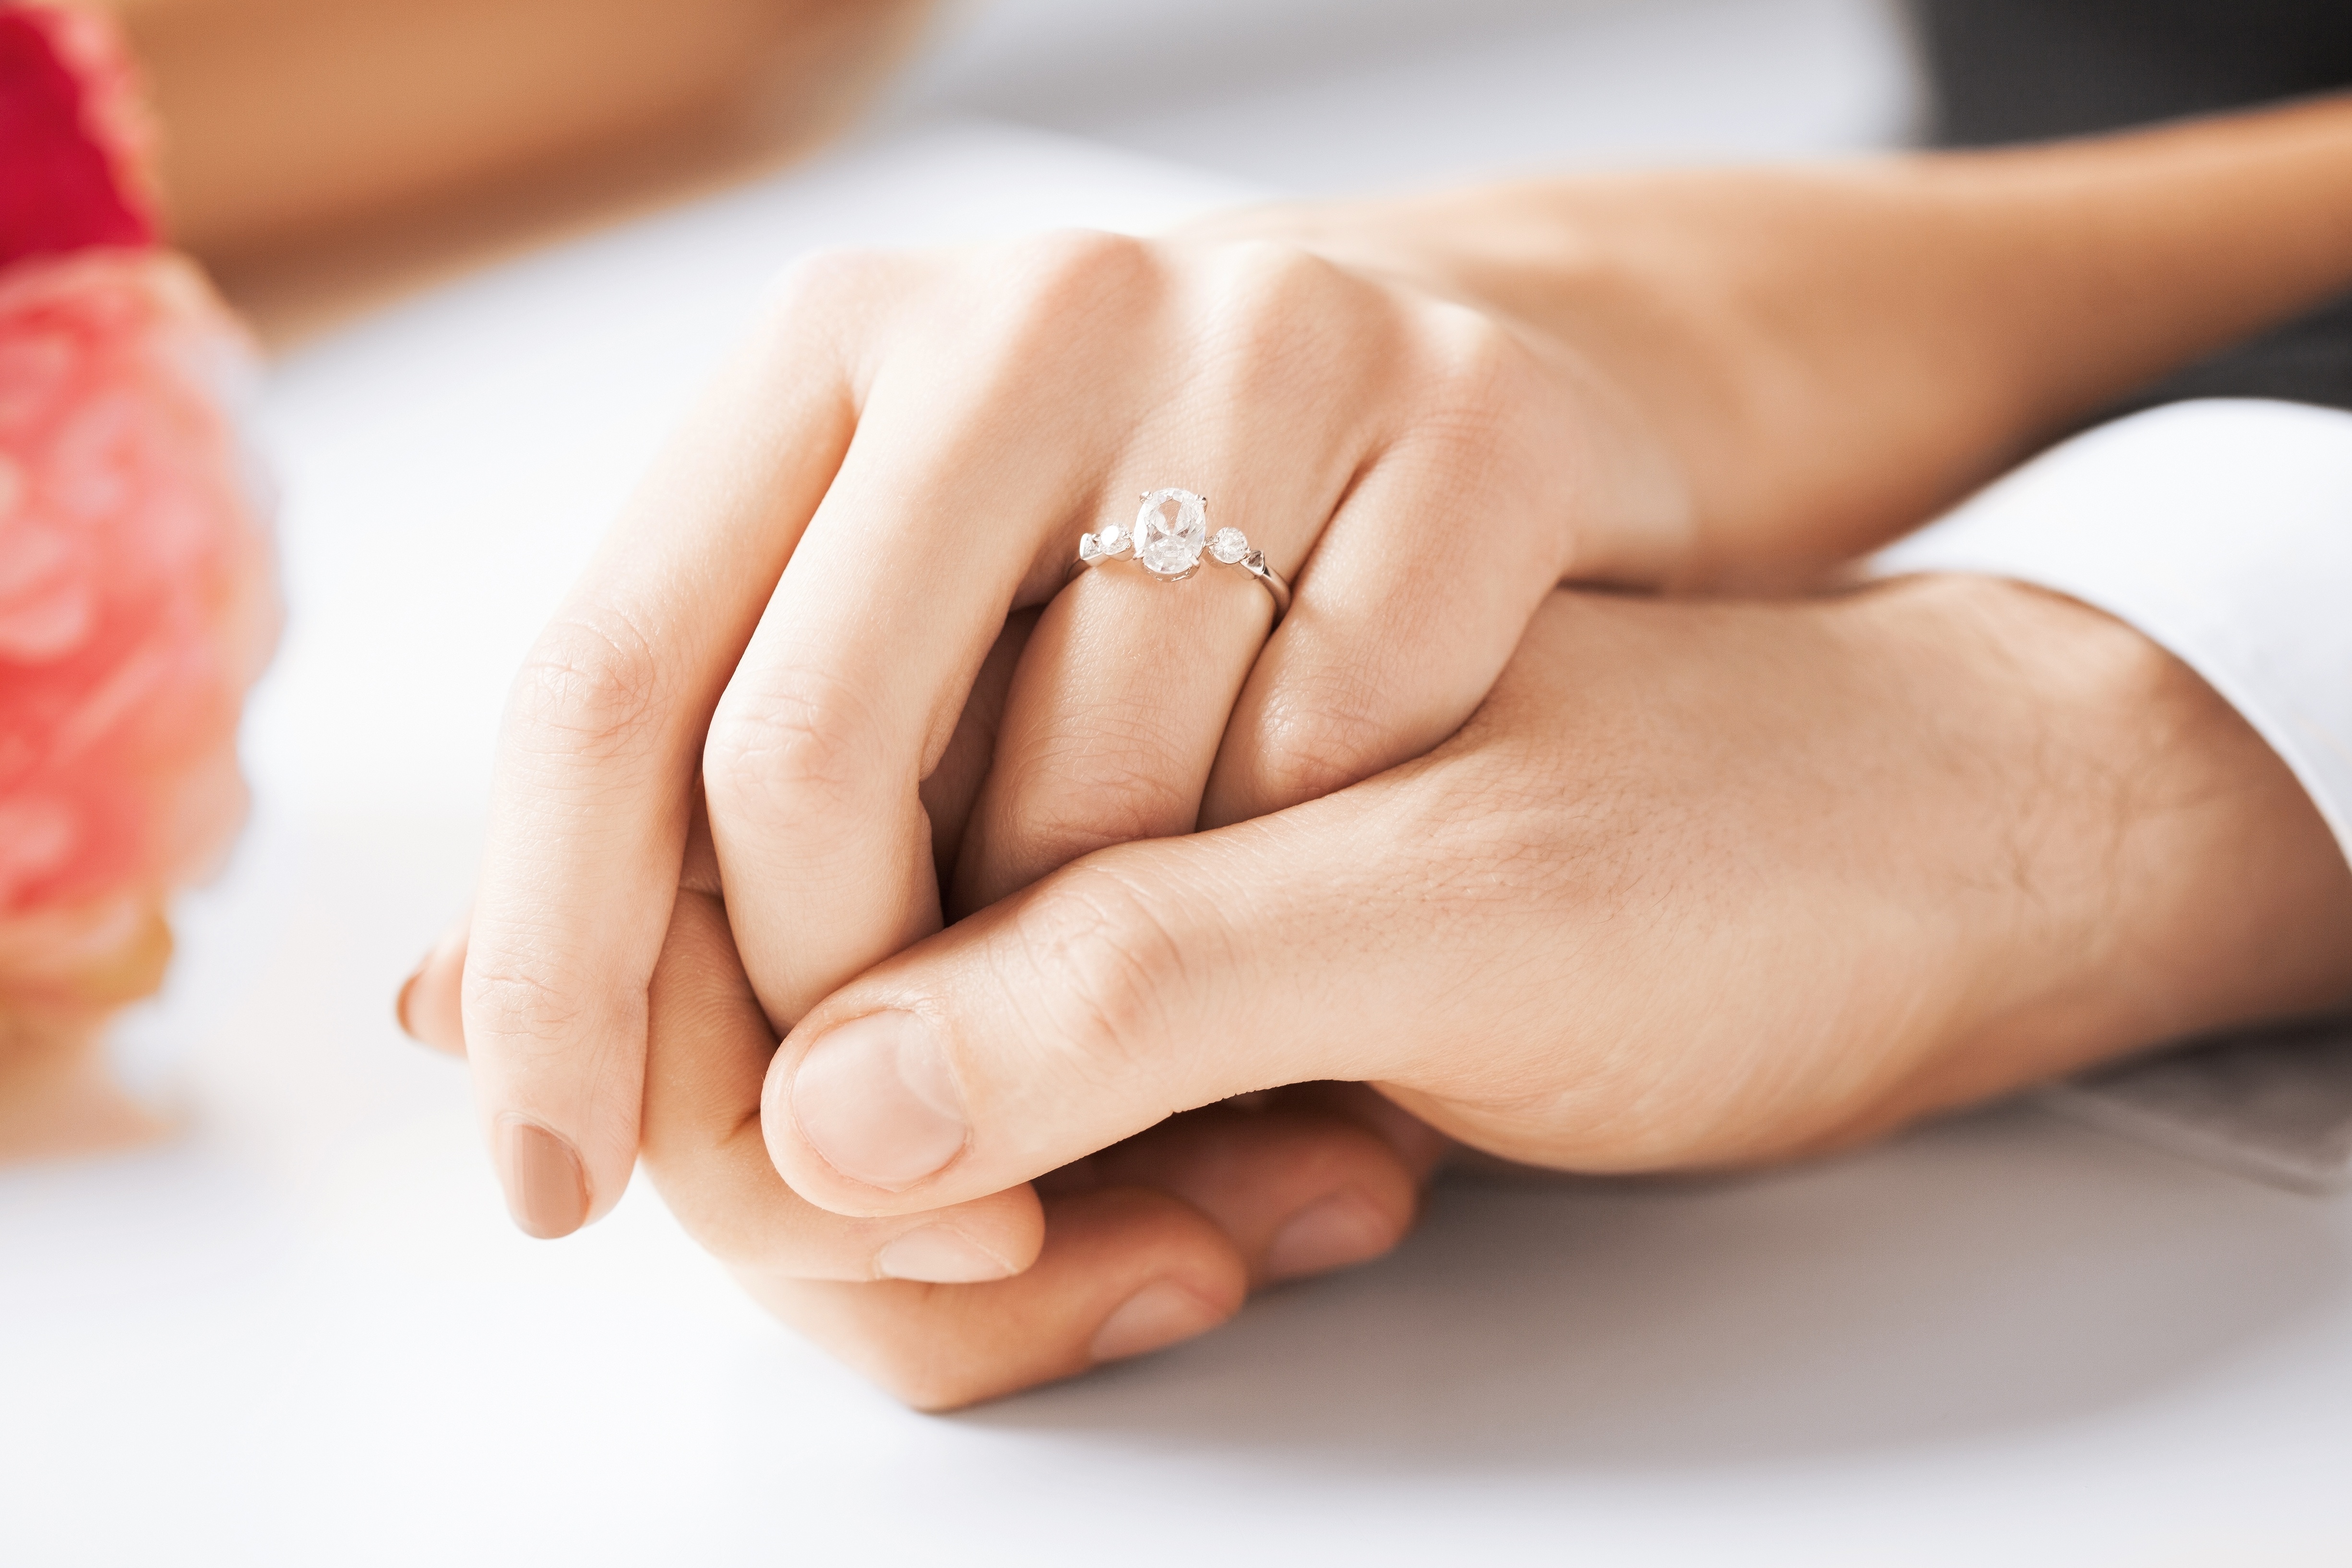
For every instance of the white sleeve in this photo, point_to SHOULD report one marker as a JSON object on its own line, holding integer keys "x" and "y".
{"x": 2221, "y": 529}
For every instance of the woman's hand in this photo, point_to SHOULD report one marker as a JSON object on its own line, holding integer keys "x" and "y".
{"x": 1698, "y": 885}
{"x": 808, "y": 589}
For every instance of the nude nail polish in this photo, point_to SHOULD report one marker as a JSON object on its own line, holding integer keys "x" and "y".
{"x": 1161, "y": 1314}
{"x": 876, "y": 1100}
{"x": 546, "y": 1190}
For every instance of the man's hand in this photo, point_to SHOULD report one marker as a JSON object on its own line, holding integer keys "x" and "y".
{"x": 1700, "y": 885}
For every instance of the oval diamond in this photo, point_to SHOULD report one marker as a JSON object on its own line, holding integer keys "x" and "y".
{"x": 1170, "y": 531}
{"x": 1229, "y": 545}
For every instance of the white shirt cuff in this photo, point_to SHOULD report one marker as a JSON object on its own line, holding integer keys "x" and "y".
{"x": 2221, "y": 529}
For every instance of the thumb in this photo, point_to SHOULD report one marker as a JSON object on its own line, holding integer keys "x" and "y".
{"x": 1140, "y": 981}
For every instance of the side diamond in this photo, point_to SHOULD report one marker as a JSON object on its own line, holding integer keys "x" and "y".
{"x": 1230, "y": 546}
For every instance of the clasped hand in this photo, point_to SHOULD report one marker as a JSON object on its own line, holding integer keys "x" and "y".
{"x": 1002, "y": 976}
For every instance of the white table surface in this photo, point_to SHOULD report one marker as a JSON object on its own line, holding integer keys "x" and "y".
{"x": 303, "y": 1331}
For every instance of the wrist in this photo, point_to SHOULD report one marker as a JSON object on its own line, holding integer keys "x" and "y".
{"x": 2161, "y": 872}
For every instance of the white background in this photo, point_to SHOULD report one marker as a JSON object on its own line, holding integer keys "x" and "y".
{"x": 304, "y": 1332}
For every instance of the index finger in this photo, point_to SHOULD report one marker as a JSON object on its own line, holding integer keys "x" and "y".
{"x": 595, "y": 772}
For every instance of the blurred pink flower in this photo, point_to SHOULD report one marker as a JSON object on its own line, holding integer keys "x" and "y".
{"x": 137, "y": 604}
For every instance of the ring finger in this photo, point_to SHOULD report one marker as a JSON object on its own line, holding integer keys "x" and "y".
{"x": 1122, "y": 698}
{"x": 1120, "y": 701}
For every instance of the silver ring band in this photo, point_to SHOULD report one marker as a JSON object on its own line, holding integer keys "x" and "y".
{"x": 1170, "y": 539}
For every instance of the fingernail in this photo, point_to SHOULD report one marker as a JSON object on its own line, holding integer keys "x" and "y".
{"x": 400, "y": 1003}
{"x": 875, "y": 1098}
{"x": 1154, "y": 1317}
{"x": 940, "y": 1255}
{"x": 1339, "y": 1230}
{"x": 546, "y": 1191}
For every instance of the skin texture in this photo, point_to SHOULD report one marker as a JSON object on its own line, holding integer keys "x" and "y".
{"x": 1836, "y": 352}
{"x": 1697, "y": 885}
{"x": 1427, "y": 414}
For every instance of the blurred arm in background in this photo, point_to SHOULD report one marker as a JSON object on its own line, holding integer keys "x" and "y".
{"x": 322, "y": 154}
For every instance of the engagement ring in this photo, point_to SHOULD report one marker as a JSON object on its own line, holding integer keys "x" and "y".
{"x": 1170, "y": 536}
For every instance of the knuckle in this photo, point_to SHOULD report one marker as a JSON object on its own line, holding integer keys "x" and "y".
{"x": 1274, "y": 300}
{"x": 1484, "y": 414}
{"x": 1080, "y": 262}
{"x": 1104, "y": 962}
{"x": 591, "y": 688}
{"x": 1480, "y": 373}
{"x": 798, "y": 748}
{"x": 1025, "y": 317}
{"x": 822, "y": 283}
{"x": 1340, "y": 737}
{"x": 1048, "y": 287}
{"x": 515, "y": 1005}
{"x": 1123, "y": 778}
{"x": 1271, "y": 278}
{"x": 825, "y": 307}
